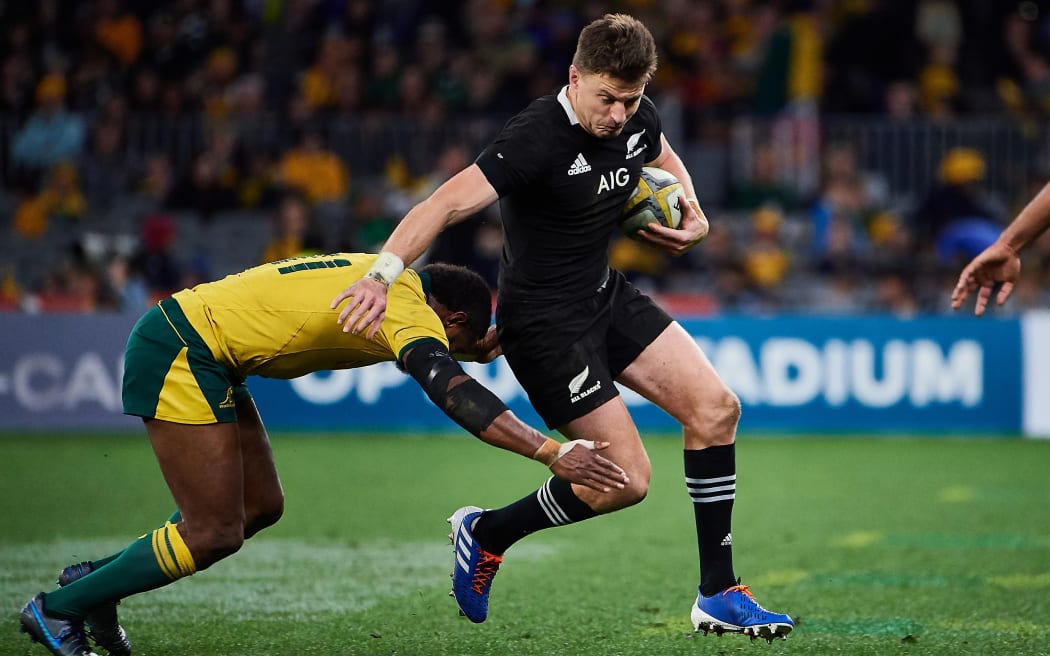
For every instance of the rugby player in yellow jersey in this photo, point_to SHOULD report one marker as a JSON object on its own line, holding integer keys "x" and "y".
{"x": 184, "y": 373}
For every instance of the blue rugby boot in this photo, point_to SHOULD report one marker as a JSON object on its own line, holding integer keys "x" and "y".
{"x": 60, "y": 636}
{"x": 734, "y": 610}
{"x": 101, "y": 622}
{"x": 472, "y": 567}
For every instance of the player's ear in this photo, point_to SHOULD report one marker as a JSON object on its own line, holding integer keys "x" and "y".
{"x": 457, "y": 318}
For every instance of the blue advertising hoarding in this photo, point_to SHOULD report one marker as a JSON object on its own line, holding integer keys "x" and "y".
{"x": 792, "y": 374}
{"x": 936, "y": 374}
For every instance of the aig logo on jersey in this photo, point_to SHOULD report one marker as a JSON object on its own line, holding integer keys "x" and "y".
{"x": 613, "y": 179}
{"x": 576, "y": 384}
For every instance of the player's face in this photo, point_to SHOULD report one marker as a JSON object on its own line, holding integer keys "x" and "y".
{"x": 603, "y": 104}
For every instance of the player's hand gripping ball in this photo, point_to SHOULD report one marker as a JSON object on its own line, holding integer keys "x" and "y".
{"x": 656, "y": 199}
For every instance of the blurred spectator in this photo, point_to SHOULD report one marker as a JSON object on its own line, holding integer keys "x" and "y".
{"x": 956, "y": 219}
{"x": 939, "y": 86}
{"x": 766, "y": 261}
{"x": 211, "y": 185}
{"x": 202, "y": 190}
{"x": 382, "y": 78}
{"x": 293, "y": 233}
{"x": 60, "y": 200}
{"x": 51, "y": 135}
{"x": 894, "y": 294}
{"x": 847, "y": 201}
{"x": 220, "y": 69}
{"x": 118, "y": 31}
{"x": 145, "y": 91}
{"x": 792, "y": 71}
{"x": 455, "y": 244}
{"x": 157, "y": 179}
{"x": 16, "y": 85}
{"x": 890, "y": 239}
{"x": 258, "y": 188}
{"x": 319, "y": 85}
{"x": 372, "y": 221}
{"x": 104, "y": 168}
{"x": 130, "y": 291}
{"x": 155, "y": 259}
{"x": 73, "y": 284}
{"x": 859, "y": 65}
{"x": 313, "y": 170}
{"x": 763, "y": 186}
{"x": 10, "y": 290}
{"x": 901, "y": 101}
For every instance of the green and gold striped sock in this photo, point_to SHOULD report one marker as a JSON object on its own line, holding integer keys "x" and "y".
{"x": 154, "y": 560}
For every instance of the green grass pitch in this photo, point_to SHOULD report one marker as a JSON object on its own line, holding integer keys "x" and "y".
{"x": 875, "y": 545}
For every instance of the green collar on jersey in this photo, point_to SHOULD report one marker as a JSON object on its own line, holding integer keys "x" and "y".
{"x": 424, "y": 279}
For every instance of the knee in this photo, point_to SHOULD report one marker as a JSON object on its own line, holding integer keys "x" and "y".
{"x": 714, "y": 421}
{"x": 728, "y": 409}
{"x": 211, "y": 543}
{"x": 262, "y": 518}
{"x": 614, "y": 500}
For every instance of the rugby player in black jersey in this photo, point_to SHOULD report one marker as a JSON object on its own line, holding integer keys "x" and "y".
{"x": 570, "y": 326}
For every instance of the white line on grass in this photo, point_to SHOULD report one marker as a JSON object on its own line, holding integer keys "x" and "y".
{"x": 273, "y": 579}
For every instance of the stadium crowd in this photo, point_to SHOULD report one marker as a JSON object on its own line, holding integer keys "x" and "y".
{"x": 147, "y": 146}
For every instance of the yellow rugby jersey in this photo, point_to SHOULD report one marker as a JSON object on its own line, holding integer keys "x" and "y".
{"x": 273, "y": 320}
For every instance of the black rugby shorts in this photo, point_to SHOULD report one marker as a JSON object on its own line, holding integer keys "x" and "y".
{"x": 566, "y": 356}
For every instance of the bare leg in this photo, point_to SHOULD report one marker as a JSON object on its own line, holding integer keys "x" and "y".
{"x": 204, "y": 470}
{"x": 675, "y": 374}
{"x": 263, "y": 495}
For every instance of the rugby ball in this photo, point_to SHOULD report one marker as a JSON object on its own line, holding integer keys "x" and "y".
{"x": 657, "y": 198}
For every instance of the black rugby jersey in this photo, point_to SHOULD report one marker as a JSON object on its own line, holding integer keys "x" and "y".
{"x": 561, "y": 192}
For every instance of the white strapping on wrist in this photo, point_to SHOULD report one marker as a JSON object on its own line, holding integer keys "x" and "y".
{"x": 386, "y": 268}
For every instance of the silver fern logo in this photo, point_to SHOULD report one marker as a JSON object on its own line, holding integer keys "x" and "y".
{"x": 577, "y": 381}
{"x": 632, "y": 141}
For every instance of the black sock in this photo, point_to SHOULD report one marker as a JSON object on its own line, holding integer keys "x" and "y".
{"x": 554, "y": 504}
{"x": 710, "y": 476}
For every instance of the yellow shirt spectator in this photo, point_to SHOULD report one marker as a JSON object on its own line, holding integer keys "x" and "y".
{"x": 318, "y": 173}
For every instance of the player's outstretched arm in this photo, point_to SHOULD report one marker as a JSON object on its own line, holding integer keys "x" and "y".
{"x": 463, "y": 195}
{"x": 482, "y": 413}
{"x": 1000, "y": 263}
{"x": 996, "y": 265}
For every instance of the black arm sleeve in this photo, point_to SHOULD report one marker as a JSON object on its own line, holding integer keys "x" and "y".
{"x": 465, "y": 401}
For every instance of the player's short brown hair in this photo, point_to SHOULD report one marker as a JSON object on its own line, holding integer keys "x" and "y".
{"x": 616, "y": 45}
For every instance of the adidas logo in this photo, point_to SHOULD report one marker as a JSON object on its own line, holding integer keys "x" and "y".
{"x": 579, "y": 166}
{"x": 727, "y": 541}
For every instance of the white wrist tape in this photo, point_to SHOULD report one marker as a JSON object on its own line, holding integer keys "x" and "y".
{"x": 565, "y": 448}
{"x": 552, "y": 450}
{"x": 386, "y": 269}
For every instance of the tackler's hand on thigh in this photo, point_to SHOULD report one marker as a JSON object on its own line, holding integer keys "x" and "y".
{"x": 578, "y": 463}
